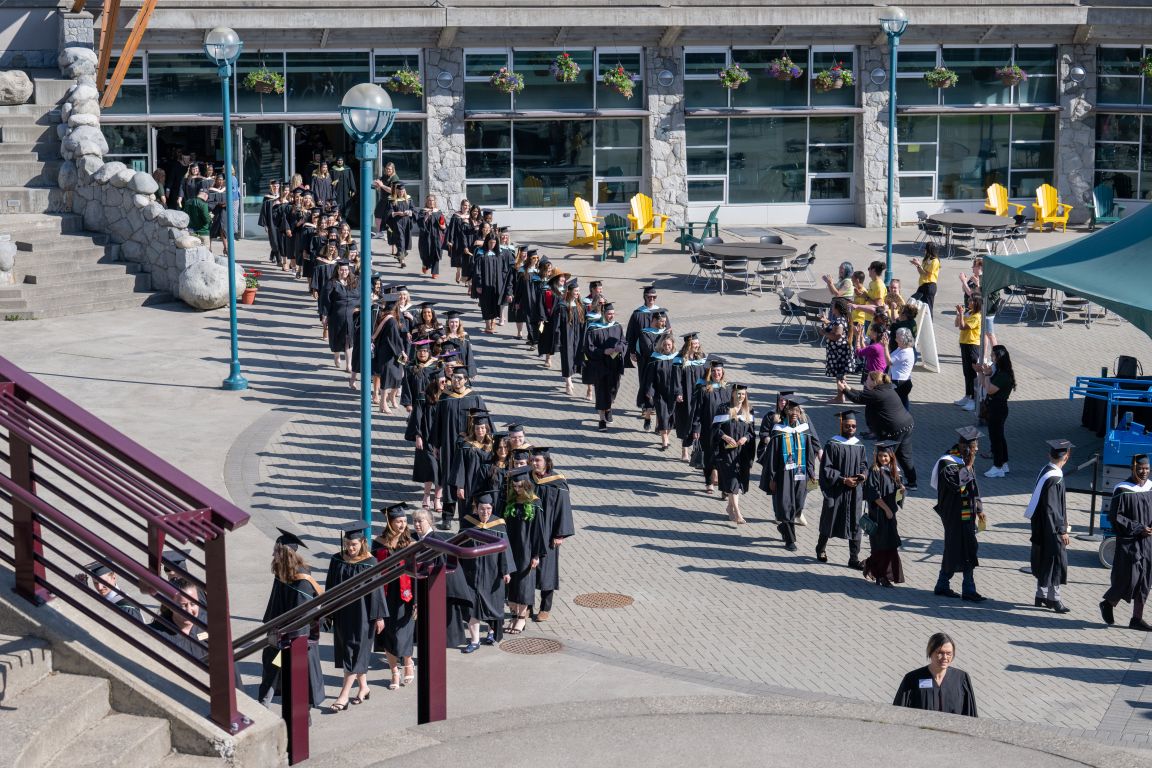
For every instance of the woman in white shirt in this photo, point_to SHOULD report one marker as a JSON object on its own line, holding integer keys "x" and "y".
{"x": 900, "y": 364}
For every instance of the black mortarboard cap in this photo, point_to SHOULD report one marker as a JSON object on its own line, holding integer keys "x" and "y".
{"x": 595, "y": 284}
{"x": 499, "y": 435}
{"x": 426, "y": 305}
{"x": 1059, "y": 447}
{"x": 451, "y": 313}
{"x": 393, "y": 511}
{"x": 97, "y": 568}
{"x": 1140, "y": 458}
{"x": 343, "y": 263}
{"x": 290, "y": 540}
{"x": 501, "y": 230}
{"x": 660, "y": 313}
{"x": 449, "y": 344}
{"x": 398, "y": 288}
{"x": 968, "y": 434}
{"x": 390, "y": 298}
{"x": 849, "y": 414}
{"x": 649, "y": 289}
{"x": 886, "y": 443}
{"x": 521, "y": 453}
{"x": 174, "y": 557}
{"x": 377, "y": 276}
{"x": 715, "y": 361}
{"x": 740, "y": 387}
{"x": 485, "y": 211}
{"x": 792, "y": 400}
{"x": 690, "y": 335}
{"x": 532, "y": 251}
{"x": 607, "y": 306}
{"x": 540, "y": 450}
{"x": 484, "y": 497}
{"x": 517, "y": 472}
{"x": 353, "y": 533}
{"x": 514, "y": 427}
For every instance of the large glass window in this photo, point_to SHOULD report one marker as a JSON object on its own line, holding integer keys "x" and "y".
{"x": 386, "y": 65}
{"x": 957, "y": 157}
{"x": 769, "y": 159}
{"x": 541, "y": 89}
{"x": 128, "y": 144}
{"x": 702, "y": 87}
{"x": 249, "y": 100}
{"x": 404, "y": 147}
{"x": 976, "y": 67}
{"x": 1119, "y": 78}
{"x": 1124, "y": 155}
{"x": 182, "y": 83}
{"x": 547, "y": 163}
{"x": 317, "y": 81}
{"x": 133, "y": 96}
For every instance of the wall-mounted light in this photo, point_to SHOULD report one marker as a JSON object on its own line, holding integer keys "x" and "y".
{"x": 665, "y": 78}
{"x": 1077, "y": 74}
{"x": 878, "y": 75}
{"x": 445, "y": 79}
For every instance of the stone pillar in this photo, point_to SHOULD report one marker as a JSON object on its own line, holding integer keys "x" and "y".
{"x": 871, "y": 177}
{"x": 76, "y": 30}
{"x": 444, "y": 147}
{"x": 1076, "y": 130}
{"x": 667, "y": 159}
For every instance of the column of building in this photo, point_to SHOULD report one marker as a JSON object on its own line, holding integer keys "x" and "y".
{"x": 666, "y": 154}
{"x": 871, "y": 177}
{"x": 1076, "y": 129}
{"x": 444, "y": 147}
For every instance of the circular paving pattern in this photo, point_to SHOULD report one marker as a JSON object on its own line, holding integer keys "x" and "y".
{"x": 531, "y": 646}
{"x": 603, "y": 600}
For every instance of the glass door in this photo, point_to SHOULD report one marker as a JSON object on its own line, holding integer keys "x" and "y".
{"x": 263, "y": 158}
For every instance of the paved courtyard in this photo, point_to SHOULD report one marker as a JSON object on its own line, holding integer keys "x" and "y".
{"x": 717, "y": 609}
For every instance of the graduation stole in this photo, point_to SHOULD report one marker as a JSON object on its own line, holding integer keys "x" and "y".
{"x": 458, "y": 395}
{"x": 682, "y": 361}
{"x": 793, "y": 446}
{"x": 950, "y": 457}
{"x": 598, "y": 325}
{"x": 658, "y": 356}
{"x": 845, "y": 440}
{"x": 547, "y": 479}
{"x": 1047, "y": 473}
{"x": 493, "y": 522}
{"x": 305, "y": 577}
{"x": 1128, "y": 486}
{"x": 521, "y": 510}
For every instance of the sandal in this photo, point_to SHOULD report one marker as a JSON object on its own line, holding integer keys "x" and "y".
{"x": 395, "y": 679}
{"x": 517, "y": 626}
{"x": 338, "y": 706}
{"x": 409, "y": 673}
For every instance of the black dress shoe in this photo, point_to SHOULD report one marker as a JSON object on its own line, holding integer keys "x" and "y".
{"x": 647, "y": 425}
{"x": 854, "y": 565}
{"x": 946, "y": 592}
{"x": 791, "y": 547}
{"x": 603, "y": 427}
{"x": 1107, "y": 613}
{"x": 822, "y": 556}
{"x": 1041, "y": 602}
{"x": 1140, "y": 624}
{"x": 973, "y": 597}
{"x": 608, "y": 417}
{"x": 1058, "y": 606}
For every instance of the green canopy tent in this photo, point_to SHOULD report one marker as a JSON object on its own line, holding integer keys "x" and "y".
{"x": 1108, "y": 267}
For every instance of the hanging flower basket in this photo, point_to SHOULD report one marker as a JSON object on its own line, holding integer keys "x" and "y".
{"x": 564, "y": 68}
{"x": 941, "y": 77}
{"x": 619, "y": 80}
{"x": 784, "y": 69}
{"x": 507, "y": 81}
{"x": 1011, "y": 75}
{"x": 264, "y": 80}
{"x": 1146, "y": 66}
{"x": 407, "y": 81}
{"x": 831, "y": 79}
{"x": 733, "y": 77}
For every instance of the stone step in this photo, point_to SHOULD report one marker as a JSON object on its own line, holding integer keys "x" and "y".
{"x": 19, "y": 173}
{"x": 85, "y": 286}
{"x": 30, "y": 200}
{"x": 70, "y": 248}
{"x": 50, "y": 715}
{"x": 117, "y": 741}
{"x": 64, "y": 308}
{"x": 73, "y": 272}
{"x": 50, "y": 90}
{"x": 26, "y": 150}
{"x": 177, "y": 760}
{"x": 31, "y": 110}
{"x": 33, "y": 226}
{"x": 27, "y": 133}
{"x": 24, "y": 662}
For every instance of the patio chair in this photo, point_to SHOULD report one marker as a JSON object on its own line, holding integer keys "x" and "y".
{"x": 1049, "y": 209}
{"x": 800, "y": 268}
{"x": 995, "y": 239}
{"x": 619, "y": 238}
{"x": 962, "y": 237}
{"x": 1018, "y": 237}
{"x": 936, "y": 234}
{"x": 771, "y": 240}
{"x": 585, "y": 226}
{"x": 708, "y": 268}
{"x": 921, "y": 223}
{"x": 737, "y": 268}
{"x": 709, "y": 228}
{"x": 813, "y": 322}
{"x": 792, "y": 315}
{"x": 1035, "y": 297}
{"x": 998, "y": 203}
{"x": 1071, "y": 303}
{"x": 1104, "y": 208}
{"x": 645, "y": 221}
{"x": 772, "y": 269}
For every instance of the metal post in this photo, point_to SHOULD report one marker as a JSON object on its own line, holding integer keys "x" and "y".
{"x": 366, "y": 152}
{"x": 295, "y": 699}
{"x": 893, "y": 44}
{"x": 235, "y": 380}
{"x": 431, "y": 646}
{"x": 221, "y": 663}
{"x": 27, "y": 549}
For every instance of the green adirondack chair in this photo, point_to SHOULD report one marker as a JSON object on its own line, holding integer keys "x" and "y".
{"x": 1104, "y": 208}
{"x": 619, "y": 238}
{"x": 710, "y": 228}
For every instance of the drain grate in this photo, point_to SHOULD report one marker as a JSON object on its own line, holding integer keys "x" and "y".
{"x": 603, "y": 600}
{"x": 531, "y": 646}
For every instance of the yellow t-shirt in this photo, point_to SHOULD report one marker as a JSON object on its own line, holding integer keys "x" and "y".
{"x": 858, "y": 316}
{"x": 931, "y": 271}
{"x": 877, "y": 291}
{"x": 970, "y": 333}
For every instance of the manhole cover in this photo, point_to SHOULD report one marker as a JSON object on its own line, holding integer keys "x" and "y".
{"x": 603, "y": 600}
{"x": 531, "y": 646}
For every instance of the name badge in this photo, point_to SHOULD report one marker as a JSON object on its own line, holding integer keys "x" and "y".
{"x": 926, "y": 683}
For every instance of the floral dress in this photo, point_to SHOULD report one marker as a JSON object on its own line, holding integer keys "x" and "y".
{"x": 840, "y": 360}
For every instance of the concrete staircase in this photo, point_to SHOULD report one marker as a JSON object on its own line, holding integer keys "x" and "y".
{"x": 60, "y": 269}
{"x": 60, "y": 720}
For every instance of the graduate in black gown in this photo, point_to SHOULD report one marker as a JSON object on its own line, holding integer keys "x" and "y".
{"x": 486, "y": 577}
{"x": 555, "y": 521}
{"x": 604, "y": 351}
{"x": 469, "y": 472}
{"x": 1130, "y": 512}
{"x": 884, "y": 492}
{"x": 266, "y": 220}
{"x": 568, "y": 327}
{"x": 401, "y": 218}
{"x": 1048, "y": 512}
{"x": 399, "y": 635}
{"x": 292, "y": 587}
{"x": 322, "y": 273}
{"x": 457, "y": 238}
{"x": 343, "y": 299}
{"x": 733, "y": 442}
{"x": 660, "y": 388}
{"x": 526, "y": 544}
{"x": 690, "y": 370}
{"x": 938, "y": 687}
{"x": 389, "y": 354}
{"x": 520, "y": 310}
{"x": 433, "y": 234}
{"x": 843, "y": 469}
{"x": 640, "y": 319}
{"x": 425, "y": 465}
{"x": 551, "y": 303}
{"x": 449, "y": 420}
{"x": 712, "y": 398}
{"x": 354, "y": 625}
{"x": 104, "y": 581}
{"x": 788, "y": 454}
{"x": 960, "y": 509}
{"x": 489, "y": 281}
{"x": 456, "y": 338}
{"x": 321, "y": 184}
{"x": 344, "y": 190}
{"x": 456, "y": 589}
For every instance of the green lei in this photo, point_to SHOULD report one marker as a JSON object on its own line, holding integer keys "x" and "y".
{"x": 527, "y": 510}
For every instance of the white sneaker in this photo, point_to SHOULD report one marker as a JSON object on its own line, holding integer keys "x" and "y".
{"x": 1005, "y": 469}
{"x": 994, "y": 472}
{"x": 963, "y": 401}
{"x": 970, "y": 405}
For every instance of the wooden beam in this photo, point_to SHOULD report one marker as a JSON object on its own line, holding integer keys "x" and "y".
{"x": 324, "y": 37}
{"x": 78, "y": 6}
{"x": 558, "y": 36}
{"x": 987, "y": 34}
{"x": 135, "y": 36}
{"x": 447, "y": 37}
{"x": 670, "y": 36}
{"x": 109, "y": 20}
{"x": 1083, "y": 33}
{"x": 778, "y": 36}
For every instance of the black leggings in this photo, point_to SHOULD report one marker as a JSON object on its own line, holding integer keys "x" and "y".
{"x": 969, "y": 356}
{"x": 997, "y": 416}
{"x": 927, "y": 294}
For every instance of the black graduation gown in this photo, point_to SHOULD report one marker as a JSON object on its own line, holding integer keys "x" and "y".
{"x": 266, "y": 220}
{"x": 525, "y": 541}
{"x": 840, "y": 511}
{"x": 520, "y": 310}
{"x": 321, "y": 276}
{"x": 690, "y": 374}
{"x": 321, "y": 187}
{"x": 470, "y": 469}
{"x": 601, "y": 369}
{"x": 791, "y": 482}
{"x": 569, "y": 340}
{"x": 384, "y": 198}
{"x": 425, "y": 466}
{"x": 659, "y": 387}
{"x": 734, "y": 465}
{"x": 457, "y": 238}
{"x": 488, "y": 280}
{"x": 960, "y": 545}
{"x": 388, "y": 345}
{"x": 399, "y": 635}
{"x": 449, "y": 419}
{"x": 352, "y": 625}
{"x": 879, "y": 485}
{"x": 555, "y": 523}
{"x": 641, "y": 318}
{"x": 551, "y": 307}
{"x": 342, "y": 302}
{"x": 918, "y": 690}
{"x": 284, "y": 598}
{"x": 343, "y": 189}
{"x": 1130, "y": 512}
{"x": 400, "y": 224}
{"x": 1049, "y": 522}
{"x": 281, "y": 214}
{"x": 375, "y": 313}
{"x": 711, "y": 400}
{"x": 465, "y": 355}
{"x": 485, "y": 576}
{"x": 646, "y": 343}
{"x": 431, "y": 242}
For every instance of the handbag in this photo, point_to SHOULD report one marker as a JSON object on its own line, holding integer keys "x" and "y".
{"x": 867, "y": 524}
{"x": 984, "y": 410}
{"x": 696, "y": 460}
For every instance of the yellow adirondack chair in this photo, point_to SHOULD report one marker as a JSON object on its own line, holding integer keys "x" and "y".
{"x": 585, "y": 226}
{"x": 645, "y": 221}
{"x": 998, "y": 201}
{"x": 1049, "y": 209}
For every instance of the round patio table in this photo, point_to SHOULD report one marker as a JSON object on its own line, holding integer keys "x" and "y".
{"x": 750, "y": 251}
{"x": 980, "y": 221}
{"x": 816, "y": 297}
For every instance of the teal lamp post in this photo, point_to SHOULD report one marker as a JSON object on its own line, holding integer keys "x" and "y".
{"x": 368, "y": 116}
{"x": 222, "y": 46}
{"x": 893, "y": 21}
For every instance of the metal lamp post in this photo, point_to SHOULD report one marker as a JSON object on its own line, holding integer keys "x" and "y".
{"x": 893, "y": 21}
{"x": 368, "y": 116}
{"x": 222, "y": 46}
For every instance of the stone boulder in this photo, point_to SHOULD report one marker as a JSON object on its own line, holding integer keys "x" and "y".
{"x": 15, "y": 88}
{"x": 204, "y": 285}
{"x": 8, "y": 262}
{"x": 107, "y": 171}
{"x": 76, "y": 62}
{"x": 171, "y": 218}
{"x": 68, "y": 176}
{"x": 143, "y": 184}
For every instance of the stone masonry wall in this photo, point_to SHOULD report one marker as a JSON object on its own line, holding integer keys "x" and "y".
{"x": 1076, "y": 132}
{"x": 445, "y": 145}
{"x": 667, "y": 153}
{"x": 872, "y": 142}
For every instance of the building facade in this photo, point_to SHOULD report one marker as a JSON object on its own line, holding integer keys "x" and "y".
{"x": 772, "y": 151}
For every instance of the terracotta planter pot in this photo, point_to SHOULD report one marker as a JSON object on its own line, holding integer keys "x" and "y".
{"x": 248, "y": 296}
